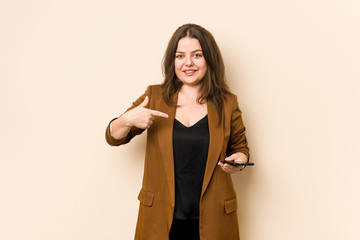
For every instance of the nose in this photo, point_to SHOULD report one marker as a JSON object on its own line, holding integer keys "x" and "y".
{"x": 189, "y": 61}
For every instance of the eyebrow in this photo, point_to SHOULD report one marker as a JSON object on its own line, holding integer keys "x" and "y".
{"x": 198, "y": 50}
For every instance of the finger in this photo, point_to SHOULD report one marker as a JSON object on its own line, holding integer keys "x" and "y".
{"x": 159, "y": 114}
{"x": 232, "y": 157}
{"x": 226, "y": 167}
{"x": 230, "y": 162}
{"x": 229, "y": 168}
{"x": 221, "y": 165}
{"x": 145, "y": 102}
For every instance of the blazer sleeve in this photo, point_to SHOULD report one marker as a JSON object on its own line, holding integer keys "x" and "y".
{"x": 134, "y": 130}
{"x": 237, "y": 141}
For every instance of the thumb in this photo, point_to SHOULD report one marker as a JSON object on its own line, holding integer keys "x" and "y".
{"x": 145, "y": 102}
{"x": 232, "y": 157}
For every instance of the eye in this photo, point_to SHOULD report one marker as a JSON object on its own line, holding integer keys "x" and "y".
{"x": 179, "y": 56}
{"x": 197, "y": 55}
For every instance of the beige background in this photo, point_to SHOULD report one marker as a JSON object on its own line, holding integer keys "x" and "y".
{"x": 67, "y": 67}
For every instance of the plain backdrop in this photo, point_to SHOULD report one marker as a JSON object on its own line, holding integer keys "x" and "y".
{"x": 68, "y": 67}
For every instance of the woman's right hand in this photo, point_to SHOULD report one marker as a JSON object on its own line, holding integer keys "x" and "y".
{"x": 142, "y": 117}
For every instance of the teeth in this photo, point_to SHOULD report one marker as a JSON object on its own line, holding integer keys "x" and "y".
{"x": 189, "y": 71}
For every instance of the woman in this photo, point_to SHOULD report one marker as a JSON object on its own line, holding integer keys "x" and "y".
{"x": 193, "y": 122}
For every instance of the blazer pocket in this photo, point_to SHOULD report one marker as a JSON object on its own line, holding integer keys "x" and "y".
{"x": 146, "y": 197}
{"x": 231, "y": 205}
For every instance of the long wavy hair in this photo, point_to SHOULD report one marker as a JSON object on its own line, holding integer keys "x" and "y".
{"x": 213, "y": 85}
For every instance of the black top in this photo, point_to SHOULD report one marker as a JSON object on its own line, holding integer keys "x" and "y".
{"x": 190, "y": 146}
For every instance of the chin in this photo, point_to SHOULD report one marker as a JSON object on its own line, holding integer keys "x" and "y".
{"x": 192, "y": 83}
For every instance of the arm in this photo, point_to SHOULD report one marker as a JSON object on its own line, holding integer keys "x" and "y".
{"x": 237, "y": 150}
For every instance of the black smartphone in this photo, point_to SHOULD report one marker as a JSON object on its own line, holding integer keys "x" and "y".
{"x": 238, "y": 164}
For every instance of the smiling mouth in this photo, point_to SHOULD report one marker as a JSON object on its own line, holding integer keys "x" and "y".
{"x": 189, "y": 72}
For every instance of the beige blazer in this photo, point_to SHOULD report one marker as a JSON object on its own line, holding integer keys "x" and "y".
{"x": 218, "y": 204}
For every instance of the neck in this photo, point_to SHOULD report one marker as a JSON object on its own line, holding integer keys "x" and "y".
{"x": 190, "y": 90}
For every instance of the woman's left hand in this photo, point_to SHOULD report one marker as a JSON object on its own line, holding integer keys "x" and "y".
{"x": 236, "y": 157}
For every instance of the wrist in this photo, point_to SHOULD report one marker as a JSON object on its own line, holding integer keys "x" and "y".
{"x": 123, "y": 121}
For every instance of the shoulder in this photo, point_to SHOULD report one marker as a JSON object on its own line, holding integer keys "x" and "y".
{"x": 154, "y": 90}
{"x": 230, "y": 99}
{"x": 154, "y": 87}
{"x": 231, "y": 103}
{"x": 230, "y": 95}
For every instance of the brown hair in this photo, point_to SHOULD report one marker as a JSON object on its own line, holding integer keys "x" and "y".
{"x": 213, "y": 86}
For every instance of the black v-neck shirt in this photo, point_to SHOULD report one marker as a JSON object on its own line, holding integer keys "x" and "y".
{"x": 190, "y": 146}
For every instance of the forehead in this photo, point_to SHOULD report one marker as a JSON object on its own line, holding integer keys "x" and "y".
{"x": 188, "y": 44}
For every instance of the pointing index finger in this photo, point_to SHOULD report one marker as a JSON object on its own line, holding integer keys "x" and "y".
{"x": 159, "y": 114}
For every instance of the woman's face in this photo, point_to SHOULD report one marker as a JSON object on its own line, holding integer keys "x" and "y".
{"x": 190, "y": 64}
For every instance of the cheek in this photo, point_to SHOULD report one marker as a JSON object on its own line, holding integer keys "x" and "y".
{"x": 204, "y": 69}
{"x": 202, "y": 64}
{"x": 177, "y": 65}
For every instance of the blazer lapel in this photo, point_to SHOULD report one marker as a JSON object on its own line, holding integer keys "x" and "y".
{"x": 165, "y": 136}
{"x": 215, "y": 145}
